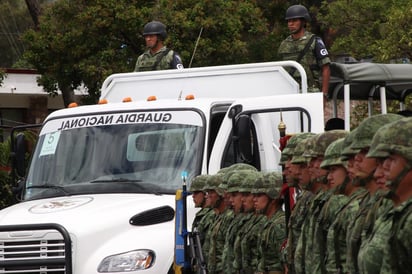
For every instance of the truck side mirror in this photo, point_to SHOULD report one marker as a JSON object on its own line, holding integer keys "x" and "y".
{"x": 20, "y": 153}
{"x": 243, "y": 130}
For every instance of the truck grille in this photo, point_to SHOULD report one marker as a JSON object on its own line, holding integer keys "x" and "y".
{"x": 33, "y": 249}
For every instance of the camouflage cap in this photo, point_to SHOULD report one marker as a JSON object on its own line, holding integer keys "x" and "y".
{"x": 332, "y": 155}
{"x": 323, "y": 140}
{"x": 368, "y": 127}
{"x": 394, "y": 138}
{"x": 213, "y": 183}
{"x": 198, "y": 183}
{"x": 246, "y": 178}
{"x": 299, "y": 156}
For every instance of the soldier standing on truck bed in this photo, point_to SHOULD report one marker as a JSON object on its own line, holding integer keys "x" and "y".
{"x": 310, "y": 51}
{"x": 157, "y": 56}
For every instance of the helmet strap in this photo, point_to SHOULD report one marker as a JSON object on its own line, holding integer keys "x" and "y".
{"x": 394, "y": 184}
{"x": 341, "y": 188}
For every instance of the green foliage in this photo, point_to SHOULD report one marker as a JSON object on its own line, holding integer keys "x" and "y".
{"x": 6, "y": 197}
{"x": 6, "y": 184}
{"x": 82, "y": 42}
{"x": 14, "y": 20}
{"x": 355, "y": 25}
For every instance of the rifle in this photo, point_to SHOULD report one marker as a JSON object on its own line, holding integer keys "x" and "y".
{"x": 196, "y": 251}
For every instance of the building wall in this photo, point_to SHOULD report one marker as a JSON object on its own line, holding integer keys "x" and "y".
{"x": 23, "y": 101}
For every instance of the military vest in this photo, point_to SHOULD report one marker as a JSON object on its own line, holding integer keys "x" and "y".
{"x": 159, "y": 61}
{"x": 290, "y": 50}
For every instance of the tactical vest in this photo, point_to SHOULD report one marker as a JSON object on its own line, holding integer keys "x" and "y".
{"x": 290, "y": 50}
{"x": 159, "y": 61}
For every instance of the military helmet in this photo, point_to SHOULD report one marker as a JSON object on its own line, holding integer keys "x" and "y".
{"x": 155, "y": 27}
{"x": 297, "y": 11}
{"x": 332, "y": 155}
{"x": 308, "y": 150}
{"x": 213, "y": 183}
{"x": 323, "y": 140}
{"x": 226, "y": 172}
{"x": 368, "y": 127}
{"x": 394, "y": 138}
{"x": 198, "y": 183}
{"x": 300, "y": 154}
{"x": 269, "y": 183}
{"x": 246, "y": 178}
{"x": 287, "y": 152}
{"x": 348, "y": 151}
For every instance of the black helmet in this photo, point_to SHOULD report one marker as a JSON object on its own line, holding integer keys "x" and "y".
{"x": 155, "y": 27}
{"x": 297, "y": 11}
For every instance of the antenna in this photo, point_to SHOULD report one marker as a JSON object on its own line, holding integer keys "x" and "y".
{"x": 194, "y": 50}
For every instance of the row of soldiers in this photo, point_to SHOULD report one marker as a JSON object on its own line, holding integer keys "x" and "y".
{"x": 352, "y": 212}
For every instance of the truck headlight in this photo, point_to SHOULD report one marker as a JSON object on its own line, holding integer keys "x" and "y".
{"x": 128, "y": 261}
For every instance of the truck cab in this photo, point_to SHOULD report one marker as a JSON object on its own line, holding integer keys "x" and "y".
{"x": 99, "y": 195}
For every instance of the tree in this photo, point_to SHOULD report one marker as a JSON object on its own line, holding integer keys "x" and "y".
{"x": 34, "y": 10}
{"x": 82, "y": 42}
{"x": 14, "y": 20}
{"x": 369, "y": 28}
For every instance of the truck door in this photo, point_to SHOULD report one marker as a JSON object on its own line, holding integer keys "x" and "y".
{"x": 250, "y": 134}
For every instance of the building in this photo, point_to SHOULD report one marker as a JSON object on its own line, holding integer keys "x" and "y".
{"x": 23, "y": 101}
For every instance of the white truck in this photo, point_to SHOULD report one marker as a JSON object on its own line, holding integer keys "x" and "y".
{"x": 99, "y": 194}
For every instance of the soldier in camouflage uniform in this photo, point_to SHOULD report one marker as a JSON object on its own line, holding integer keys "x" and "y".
{"x": 395, "y": 139}
{"x": 157, "y": 56}
{"x": 241, "y": 263}
{"x": 336, "y": 237}
{"x": 233, "y": 185}
{"x": 315, "y": 59}
{"x": 201, "y": 221}
{"x": 310, "y": 244}
{"x": 224, "y": 220}
{"x": 199, "y": 199}
{"x": 273, "y": 233}
{"x": 338, "y": 180}
{"x": 377, "y": 224}
{"x": 214, "y": 199}
{"x": 364, "y": 176}
{"x": 216, "y": 192}
{"x": 298, "y": 212}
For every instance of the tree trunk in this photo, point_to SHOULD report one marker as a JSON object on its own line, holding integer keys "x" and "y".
{"x": 67, "y": 94}
{"x": 34, "y": 10}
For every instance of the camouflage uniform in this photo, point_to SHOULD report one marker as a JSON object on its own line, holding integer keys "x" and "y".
{"x": 395, "y": 139}
{"x": 223, "y": 222}
{"x": 310, "y": 244}
{"x": 233, "y": 185}
{"x": 249, "y": 219}
{"x": 273, "y": 232}
{"x": 315, "y": 57}
{"x": 198, "y": 184}
{"x": 333, "y": 217}
{"x": 375, "y": 235}
{"x": 300, "y": 213}
{"x": 216, "y": 233}
{"x": 331, "y": 207}
{"x": 362, "y": 140}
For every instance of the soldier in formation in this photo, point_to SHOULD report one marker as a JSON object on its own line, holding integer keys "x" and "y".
{"x": 352, "y": 214}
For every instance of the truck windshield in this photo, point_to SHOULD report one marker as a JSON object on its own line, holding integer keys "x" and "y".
{"x": 128, "y": 157}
